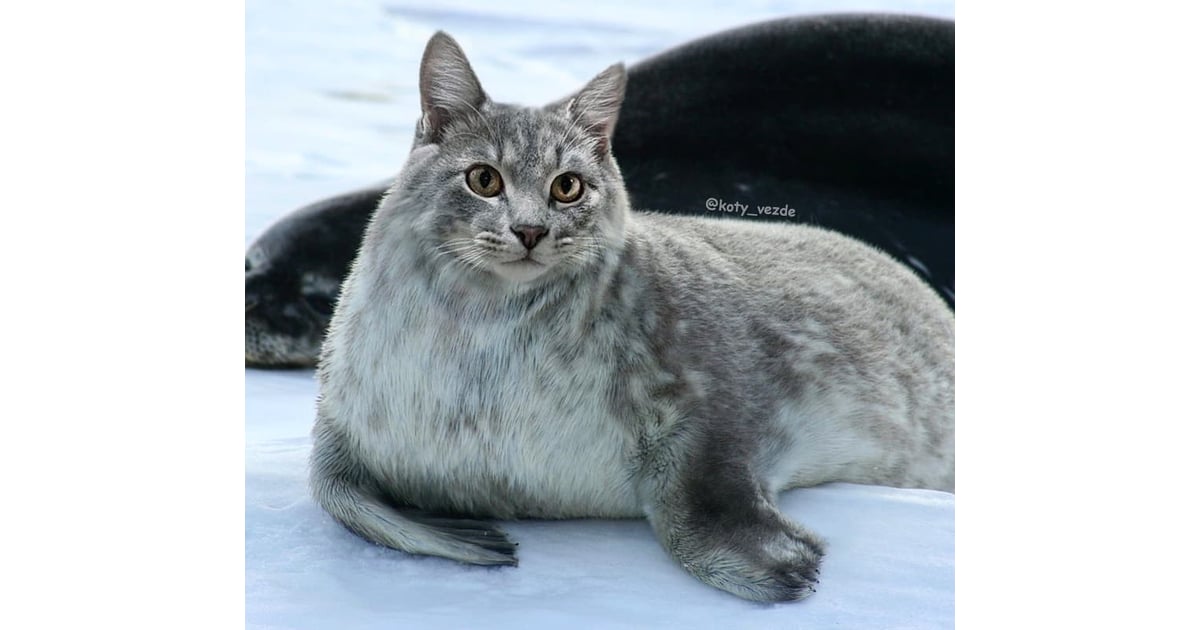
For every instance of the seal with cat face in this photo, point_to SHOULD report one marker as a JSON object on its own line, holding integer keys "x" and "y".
{"x": 840, "y": 121}
{"x": 514, "y": 341}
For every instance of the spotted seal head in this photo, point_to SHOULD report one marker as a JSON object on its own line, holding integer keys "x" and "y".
{"x": 293, "y": 271}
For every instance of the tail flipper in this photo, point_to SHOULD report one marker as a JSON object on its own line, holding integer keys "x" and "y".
{"x": 340, "y": 486}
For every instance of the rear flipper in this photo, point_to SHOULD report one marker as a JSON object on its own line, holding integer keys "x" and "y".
{"x": 340, "y": 485}
{"x": 722, "y": 528}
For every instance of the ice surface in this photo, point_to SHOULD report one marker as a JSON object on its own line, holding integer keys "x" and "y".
{"x": 330, "y": 103}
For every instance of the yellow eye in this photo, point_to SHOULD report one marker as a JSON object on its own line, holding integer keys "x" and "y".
{"x": 484, "y": 180}
{"x": 566, "y": 188}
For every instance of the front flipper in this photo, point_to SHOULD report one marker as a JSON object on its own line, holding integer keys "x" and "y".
{"x": 342, "y": 487}
{"x": 720, "y": 525}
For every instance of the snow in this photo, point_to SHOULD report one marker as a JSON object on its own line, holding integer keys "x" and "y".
{"x": 330, "y": 102}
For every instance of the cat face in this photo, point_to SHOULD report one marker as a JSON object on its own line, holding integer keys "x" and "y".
{"x": 515, "y": 194}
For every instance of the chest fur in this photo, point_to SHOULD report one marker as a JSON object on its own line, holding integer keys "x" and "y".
{"x": 489, "y": 418}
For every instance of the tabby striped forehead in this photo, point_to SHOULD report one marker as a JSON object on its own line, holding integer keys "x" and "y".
{"x": 529, "y": 140}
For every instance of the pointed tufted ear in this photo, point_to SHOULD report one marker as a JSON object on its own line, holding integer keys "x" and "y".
{"x": 596, "y": 106}
{"x": 450, "y": 91}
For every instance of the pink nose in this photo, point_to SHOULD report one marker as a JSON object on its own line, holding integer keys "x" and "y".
{"x": 530, "y": 234}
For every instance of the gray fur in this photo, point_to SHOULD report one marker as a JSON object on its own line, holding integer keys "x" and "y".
{"x": 630, "y": 364}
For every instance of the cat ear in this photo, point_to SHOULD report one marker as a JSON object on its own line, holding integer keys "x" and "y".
{"x": 596, "y": 106}
{"x": 450, "y": 90}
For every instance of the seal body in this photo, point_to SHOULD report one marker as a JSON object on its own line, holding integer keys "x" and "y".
{"x": 621, "y": 412}
{"x": 513, "y": 341}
